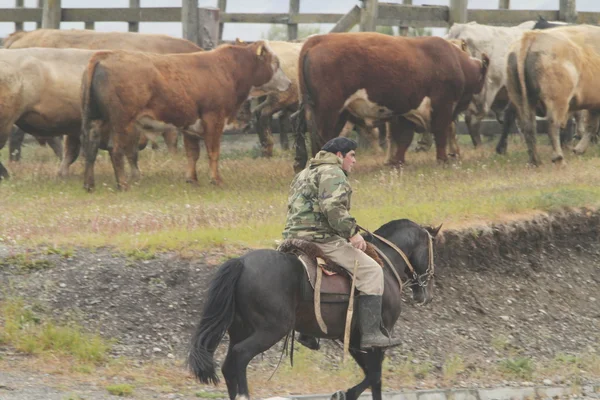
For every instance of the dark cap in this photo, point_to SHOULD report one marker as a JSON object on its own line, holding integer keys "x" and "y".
{"x": 341, "y": 144}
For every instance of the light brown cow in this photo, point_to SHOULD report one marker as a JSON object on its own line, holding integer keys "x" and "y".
{"x": 552, "y": 73}
{"x": 126, "y": 93}
{"x": 87, "y": 39}
{"x": 40, "y": 93}
{"x": 421, "y": 83}
{"x": 93, "y": 40}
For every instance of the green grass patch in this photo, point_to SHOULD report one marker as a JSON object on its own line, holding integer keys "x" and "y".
{"x": 520, "y": 367}
{"x": 162, "y": 212}
{"x": 211, "y": 395}
{"x": 29, "y": 333}
{"x": 122, "y": 389}
{"x": 25, "y": 263}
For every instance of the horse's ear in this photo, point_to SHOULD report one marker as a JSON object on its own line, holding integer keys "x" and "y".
{"x": 433, "y": 231}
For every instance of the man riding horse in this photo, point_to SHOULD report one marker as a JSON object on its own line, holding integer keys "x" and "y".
{"x": 319, "y": 212}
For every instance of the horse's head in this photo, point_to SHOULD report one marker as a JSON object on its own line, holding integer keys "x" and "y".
{"x": 422, "y": 278}
{"x": 416, "y": 255}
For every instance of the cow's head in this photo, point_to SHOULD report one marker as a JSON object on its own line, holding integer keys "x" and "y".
{"x": 269, "y": 75}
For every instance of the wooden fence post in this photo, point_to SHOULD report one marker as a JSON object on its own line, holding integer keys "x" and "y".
{"x": 222, "y": 8}
{"x": 403, "y": 30}
{"x": 208, "y": 24}
{"x": 567, "y": 11}
{"x": 458, "y": 12}
{"x": 348, "y": 21}
{"x": 504, "y": 5}
{"x": 133, "y": 26}
{"x": 18, "y": 25}
{"x": 293, "y": 28}
{"x": 189, "y": 20}
{"x": 40, "y": 4}
{"x": 368, "y": 18}
{"x": 51, "y": 14}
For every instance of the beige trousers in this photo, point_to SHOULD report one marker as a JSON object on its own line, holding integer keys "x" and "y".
{"x": 369, "y": 275}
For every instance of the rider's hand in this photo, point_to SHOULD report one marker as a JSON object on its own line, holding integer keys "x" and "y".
{"x": 359, "y": 242}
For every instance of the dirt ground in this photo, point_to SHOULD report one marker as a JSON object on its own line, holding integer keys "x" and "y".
{"x": 529, "y": 288}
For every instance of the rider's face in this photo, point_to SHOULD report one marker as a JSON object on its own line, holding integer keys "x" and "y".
{"x": 348, "y": 160}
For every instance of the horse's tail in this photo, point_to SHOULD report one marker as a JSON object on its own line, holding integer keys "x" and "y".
{"x": 217, "y": 316}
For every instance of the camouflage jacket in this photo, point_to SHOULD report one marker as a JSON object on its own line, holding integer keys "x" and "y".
{"x": 319, "y": 202}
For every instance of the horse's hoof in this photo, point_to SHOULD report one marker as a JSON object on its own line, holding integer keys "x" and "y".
{"x": 339, "y": 395}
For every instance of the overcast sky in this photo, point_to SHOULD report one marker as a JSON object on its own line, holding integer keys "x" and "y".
{"x": 254, "y": 31}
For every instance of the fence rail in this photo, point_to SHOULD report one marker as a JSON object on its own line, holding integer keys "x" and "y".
{"x": 372, "y": 14}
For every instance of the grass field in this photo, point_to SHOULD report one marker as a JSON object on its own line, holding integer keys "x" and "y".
{"x": 162, "y": 212}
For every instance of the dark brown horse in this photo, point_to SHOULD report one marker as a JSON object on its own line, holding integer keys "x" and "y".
{"x": 257, "y": 299}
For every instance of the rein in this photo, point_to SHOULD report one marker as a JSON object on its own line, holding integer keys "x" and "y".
{"x": 416, "y": 278}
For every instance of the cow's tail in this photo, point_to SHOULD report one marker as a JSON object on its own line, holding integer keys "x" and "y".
{"x": 91, "y": 110}
{"x": 217, "y": 316}
{"x": 527, "y": 89}
{"x": 300, "y": 118}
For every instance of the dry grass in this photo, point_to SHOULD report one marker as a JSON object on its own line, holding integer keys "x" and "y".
{"x": 163, "y": 212}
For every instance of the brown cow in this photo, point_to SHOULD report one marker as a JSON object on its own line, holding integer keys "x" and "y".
{"x": 552, "y": 73}
{"x": 126, "y": 93}
{"x": 94, "y": 40}
{"x": 422, "y": 82}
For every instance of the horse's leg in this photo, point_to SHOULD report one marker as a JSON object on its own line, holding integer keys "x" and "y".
{"x": 236, "y": 334}
{"x": 261, "y": 340}
{"x": 374, "y": 365}
{"x": 370, "y": 361}
{"x": 361, "y": 359}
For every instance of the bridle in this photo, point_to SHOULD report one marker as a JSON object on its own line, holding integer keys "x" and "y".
{"x": 421, "y": 280}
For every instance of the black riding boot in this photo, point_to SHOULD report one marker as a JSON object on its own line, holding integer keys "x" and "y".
{"x": 369, "y": 318}
{"x": 309, "y": 341}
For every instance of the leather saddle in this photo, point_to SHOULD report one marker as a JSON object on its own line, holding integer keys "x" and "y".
{"x": 336, "y": 282}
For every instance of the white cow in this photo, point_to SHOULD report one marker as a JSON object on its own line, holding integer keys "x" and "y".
{"x": 493, "y": 41}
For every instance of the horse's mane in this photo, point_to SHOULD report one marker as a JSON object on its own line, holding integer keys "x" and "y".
{"x": 390, "y": 227}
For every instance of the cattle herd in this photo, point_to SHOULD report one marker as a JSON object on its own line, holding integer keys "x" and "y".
{"x": 118, "y": 90}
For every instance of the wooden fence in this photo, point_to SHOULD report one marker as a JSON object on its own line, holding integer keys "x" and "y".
{"x": 204, "y": 25}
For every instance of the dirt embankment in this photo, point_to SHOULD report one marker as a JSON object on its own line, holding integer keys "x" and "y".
{"x": 525, "y": 289}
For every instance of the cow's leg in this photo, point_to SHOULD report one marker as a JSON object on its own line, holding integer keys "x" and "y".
{"x": 130, "y": 143}
{"x": 554, "y": 134}
{"x": 213, "y": 125}
{"x": 56, "y": 144}
{"x": 401, "y": 135}
{"x": 17, "y": 135}
{"x": 510, "y": 114}
{"x": 453, "y": 148}
{"x": 474, "y": 127}
{"x": 371, "y": 134}
{"x": 72, "y": 145}
{"x": 527, "y": 125}
{"x": 425, "y": 142}
{"x": 191, "y": 145}
{"x": 441, "y": 127}
{"x": 93, "y": 133}
{"x": 263, "y": 126}
{"x": 591, "y": 127}
{"x": 284, "y": 129}
{"x": 171, "y": 136}
{"x": 581, "y": 118}
{"x": 4, "y": 134}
